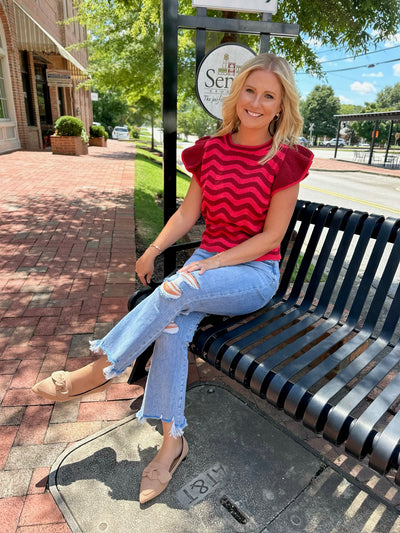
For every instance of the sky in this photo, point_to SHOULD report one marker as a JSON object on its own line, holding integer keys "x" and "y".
{"x": 377, "y": 69}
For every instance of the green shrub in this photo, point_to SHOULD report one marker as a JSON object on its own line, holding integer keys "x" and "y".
{"x": 97, "y": 131}
{"x": 68, "y": 126}
{"x": 105, "y": 135}
{"x": 84, "y": 136}
{"x": 134, "y": 132}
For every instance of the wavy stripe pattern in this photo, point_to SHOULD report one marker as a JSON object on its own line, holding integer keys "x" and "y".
{"x": 236, "y": 193}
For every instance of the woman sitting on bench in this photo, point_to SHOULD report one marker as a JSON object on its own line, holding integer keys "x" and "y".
{"x": 245, "y": 183}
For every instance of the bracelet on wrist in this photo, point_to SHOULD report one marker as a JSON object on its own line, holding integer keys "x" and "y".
{"x": 152, "y": 245}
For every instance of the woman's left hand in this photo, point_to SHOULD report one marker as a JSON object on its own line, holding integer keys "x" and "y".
{"x": 202, "y": 266}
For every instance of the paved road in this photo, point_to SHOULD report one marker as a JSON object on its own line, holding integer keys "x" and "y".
{"x": 374, "y": 193}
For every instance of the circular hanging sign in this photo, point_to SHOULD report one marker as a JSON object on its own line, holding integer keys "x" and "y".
{"x": 216, "y": 73}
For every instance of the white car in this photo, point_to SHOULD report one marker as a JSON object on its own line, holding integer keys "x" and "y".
{"x": 120, "y": 133}
{"x": 332, "y": 142}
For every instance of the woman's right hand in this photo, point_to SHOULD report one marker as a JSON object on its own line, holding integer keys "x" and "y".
{"x": 144, "y": 267}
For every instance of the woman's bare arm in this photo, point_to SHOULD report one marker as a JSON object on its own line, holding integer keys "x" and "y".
{"x": 176, "y": 227}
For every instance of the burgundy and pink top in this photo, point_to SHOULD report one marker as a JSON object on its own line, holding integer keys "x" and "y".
{"x": 237, "y": 190}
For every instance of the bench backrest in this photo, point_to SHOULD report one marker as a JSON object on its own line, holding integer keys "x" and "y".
{"x": 346, "y": 260}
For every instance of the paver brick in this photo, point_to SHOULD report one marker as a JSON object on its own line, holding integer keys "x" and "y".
{"x": 11, "y": 416}
{"x": 19, "y": 397}
{"x": 33, "y": 456}
{"x": 70, "y": 432}
{"x": 21, "y": 335}
{"x": 53, "y": 361}
{"x": 47, "y": 325}
{"x": 26, "y": 374}
{"x": 7, "y": 436}
{"x": 40, "y": 509}
{"x": 23, "y": 352}
{"x": 83, "y": 325}
{"x": 39, "y": 480}
{"x": 124, "y": 391}
{"x": 34, "y": 425}
{"x": 104, "y": 410}
{"x": 9, "y": 367}
{"x": 13, "y": 321}
{"x": 14, "y": 482}
{"x": 65, "y": 412}
{"x": 10, "y": 511}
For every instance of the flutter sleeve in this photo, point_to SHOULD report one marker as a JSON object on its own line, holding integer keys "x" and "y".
{"x": 294, "y": 168}
{"x": 193, "y": 156}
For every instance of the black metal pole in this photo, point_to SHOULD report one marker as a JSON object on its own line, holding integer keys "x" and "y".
{"x": 200, "y": 38}
{"x": 265, "y": 37}
{"x": 169, "y": 104}
{"x": 337, "y": 139}
{"x": 388, "y": 142}
{"x": 372, "y": 143}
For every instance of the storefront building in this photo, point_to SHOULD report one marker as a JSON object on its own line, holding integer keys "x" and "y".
{"x": 38, "y": 76}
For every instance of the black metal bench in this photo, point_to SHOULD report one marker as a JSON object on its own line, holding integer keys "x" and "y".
{"x": 326, "y": 348}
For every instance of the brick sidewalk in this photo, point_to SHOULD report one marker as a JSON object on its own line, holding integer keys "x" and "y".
{"x": 66, "y": 269}
{"x": 346, "y": 166}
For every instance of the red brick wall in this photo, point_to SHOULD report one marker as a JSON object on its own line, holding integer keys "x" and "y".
{"x": 30, "y": 137}
{"x": 47, "y": 13}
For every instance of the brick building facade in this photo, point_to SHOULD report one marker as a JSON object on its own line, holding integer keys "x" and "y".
{"x": 38, "y": 76}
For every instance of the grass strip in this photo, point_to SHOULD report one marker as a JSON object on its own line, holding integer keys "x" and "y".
{"x": 149, "y": 216}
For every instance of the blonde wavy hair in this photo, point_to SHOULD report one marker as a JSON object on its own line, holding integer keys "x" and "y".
{"x": 290, "y": 123}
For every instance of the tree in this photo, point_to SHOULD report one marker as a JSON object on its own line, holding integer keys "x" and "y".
{"x": 124, "y": 46}
{"x": 319, "y": 109}
{"x": 125, "y": 38}
{"x": 193, "y": 120}
{"x": 110, "y": 110}
{"x": 353, "y": 26}
{"x": 350, "y": 133}
{"x": 146, "y": 108}
{"x": 389, "y": 98}
{"x": 386, "y": 100}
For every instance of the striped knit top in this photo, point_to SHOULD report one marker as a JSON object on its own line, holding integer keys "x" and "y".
{"x": 237, "y": 190}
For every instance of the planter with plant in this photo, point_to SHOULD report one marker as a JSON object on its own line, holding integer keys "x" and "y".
{"x": 97, "y": 136}
{"x": 70, "y": 137}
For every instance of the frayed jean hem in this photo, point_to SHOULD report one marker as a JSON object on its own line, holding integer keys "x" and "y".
{"x": 176, "y": 431}
{"x": 109, "y": 371}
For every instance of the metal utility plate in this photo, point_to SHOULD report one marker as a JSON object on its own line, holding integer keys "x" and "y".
{"x": 242, "y": 474}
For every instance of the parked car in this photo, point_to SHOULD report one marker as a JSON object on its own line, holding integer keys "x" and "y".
{"x": 303, "y": 141}
{"x": 332, "y": 143}
{"x": 120, "y": 133}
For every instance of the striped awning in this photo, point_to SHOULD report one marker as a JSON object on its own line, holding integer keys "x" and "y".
{"x": 33, "y": 38}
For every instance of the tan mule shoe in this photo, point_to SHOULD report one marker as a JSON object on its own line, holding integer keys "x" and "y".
{"x": 58, "y": 387}
{"x": 156, "y": 476}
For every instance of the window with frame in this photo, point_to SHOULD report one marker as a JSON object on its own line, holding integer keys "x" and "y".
{"x": 4, "y": 114}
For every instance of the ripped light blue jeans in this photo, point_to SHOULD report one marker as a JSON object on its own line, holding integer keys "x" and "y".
{"x": 169, "y": 316}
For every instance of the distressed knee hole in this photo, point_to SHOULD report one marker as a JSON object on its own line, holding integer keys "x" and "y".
{"x": 171, "y": 288}
{"x": 171, "y": 328}
{"x": 190, "y": 279}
